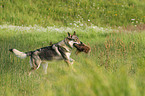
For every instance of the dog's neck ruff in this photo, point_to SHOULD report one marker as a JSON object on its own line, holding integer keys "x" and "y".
{"x": 67, "y": 44}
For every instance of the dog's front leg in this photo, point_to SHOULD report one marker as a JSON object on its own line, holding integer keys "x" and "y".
{"x": 67, "y": 59}
{"x": 71, "y": 61}
{"x": 70, "y": 64}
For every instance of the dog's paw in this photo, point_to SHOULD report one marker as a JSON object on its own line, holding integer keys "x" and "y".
{"x": 71, "y": 61}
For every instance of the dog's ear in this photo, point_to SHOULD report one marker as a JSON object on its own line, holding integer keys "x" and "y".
{"x": 69, "y": 35}
{"x": 74, "y": 33}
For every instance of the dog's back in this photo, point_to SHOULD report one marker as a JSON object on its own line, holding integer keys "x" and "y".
{"x": 48, "y": 53}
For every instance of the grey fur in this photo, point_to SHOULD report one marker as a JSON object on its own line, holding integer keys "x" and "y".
{"x": 59, "y": 51}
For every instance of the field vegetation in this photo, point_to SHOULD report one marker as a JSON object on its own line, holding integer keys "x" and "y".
{"x": 113, "y": 29}
{"x": 68, "y": 12}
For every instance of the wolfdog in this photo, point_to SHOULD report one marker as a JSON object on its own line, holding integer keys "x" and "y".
{"x": 58, "y": 51}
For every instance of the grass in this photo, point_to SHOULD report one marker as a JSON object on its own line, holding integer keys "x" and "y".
{"x": 114, "y": 67}
{"x": 76, "y": 13}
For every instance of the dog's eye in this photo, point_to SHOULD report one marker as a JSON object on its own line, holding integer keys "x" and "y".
{"x": 76, "y": 39}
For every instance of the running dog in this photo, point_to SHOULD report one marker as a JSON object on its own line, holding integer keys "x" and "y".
{"x": 58, "y": 51}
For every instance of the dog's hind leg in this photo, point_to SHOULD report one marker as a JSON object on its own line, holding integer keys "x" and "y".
{"x": 45, "y": 65}
{"x": 30, "y": 61}
{"x": 35, "y": 64}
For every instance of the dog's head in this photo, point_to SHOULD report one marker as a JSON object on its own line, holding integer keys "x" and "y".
{"x": 73, "y": 39}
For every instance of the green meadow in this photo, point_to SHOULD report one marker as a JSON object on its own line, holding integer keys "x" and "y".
{"x": 68, "y": 12}
{"x": 114, "y": 30}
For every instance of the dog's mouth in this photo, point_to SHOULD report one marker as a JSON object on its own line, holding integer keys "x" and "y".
{"x": 80, "y": 44}
{"x": 82, "y": 47}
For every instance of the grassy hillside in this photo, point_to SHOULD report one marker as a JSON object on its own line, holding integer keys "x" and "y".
{"x": 115, "y": 67}
{"x": 72, "y": 12}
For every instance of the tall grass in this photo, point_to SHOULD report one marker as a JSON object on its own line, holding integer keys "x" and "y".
{"x": 72, "y": 12}
{"x": 115, "y": 67}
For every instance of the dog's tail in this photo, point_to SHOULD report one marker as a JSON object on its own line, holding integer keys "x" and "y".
{"x": 20, "y": 54}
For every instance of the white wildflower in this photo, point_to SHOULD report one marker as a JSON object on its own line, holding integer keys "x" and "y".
{"x": 132, "y": 19}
